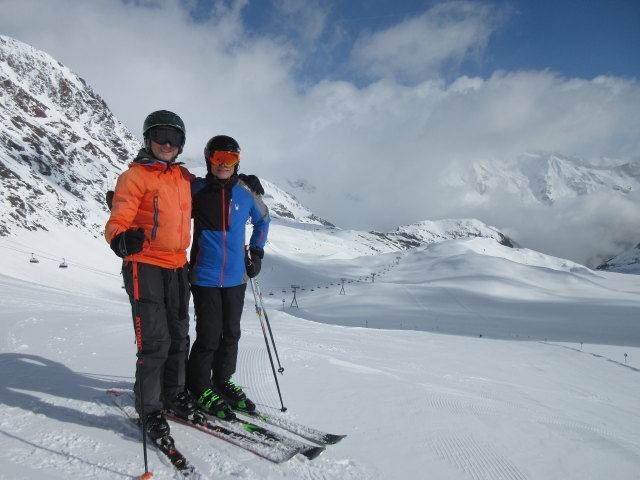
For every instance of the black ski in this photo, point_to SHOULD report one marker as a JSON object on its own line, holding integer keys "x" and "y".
{"x": 261, "y": 441}
{"x": 267, "y": 449}
{"x": 304, "y": 431}
{"x": 165, "y": 445}
{"x": 309, "y": 451}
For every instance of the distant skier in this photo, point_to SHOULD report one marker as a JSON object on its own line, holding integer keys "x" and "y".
{"x": 150, "y": 228}
{"x": 220, "y": 268}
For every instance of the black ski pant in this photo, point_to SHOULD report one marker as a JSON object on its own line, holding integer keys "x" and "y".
{"x": 160, "y": 306}
{"x": 214, "y": 353}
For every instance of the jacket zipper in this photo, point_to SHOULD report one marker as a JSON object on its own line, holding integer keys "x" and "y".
{"x": 180, "y": 204}
{"x": 154, "y": 231}
{"x": 224, "y": 238}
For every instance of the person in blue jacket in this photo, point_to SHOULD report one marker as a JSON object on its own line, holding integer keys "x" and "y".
{"x": 222, "y": 203}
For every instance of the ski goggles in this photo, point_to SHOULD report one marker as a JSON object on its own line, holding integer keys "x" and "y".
{"x": 165, "y": 135}
{"x": 228, "y": 159}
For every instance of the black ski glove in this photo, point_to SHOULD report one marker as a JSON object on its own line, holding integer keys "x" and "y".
{"x": 253, "y": 260}
{"x": 109, "y": 198}
{"x": 252, "y": 182}
{"x": 128, "y": 242}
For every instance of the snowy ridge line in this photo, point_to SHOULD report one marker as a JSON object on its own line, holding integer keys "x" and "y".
{"x": 594, "y": 355}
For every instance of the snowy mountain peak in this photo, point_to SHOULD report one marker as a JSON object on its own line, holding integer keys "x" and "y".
{"x": 285, "y": 206}
{"x": 60, "y": 146}
{"x": 434, "y": 231}
{"x": 546, "y": 178}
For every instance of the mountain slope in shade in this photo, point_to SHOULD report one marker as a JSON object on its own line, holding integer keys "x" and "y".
{"x": 626, "y": 262}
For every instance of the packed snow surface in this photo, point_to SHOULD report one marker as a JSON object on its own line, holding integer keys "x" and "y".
{"x": 459, "y": 360}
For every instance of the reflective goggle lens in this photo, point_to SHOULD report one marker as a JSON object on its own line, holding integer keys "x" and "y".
{"x": 228, "y": 159}
{"x": 162, "y": 136}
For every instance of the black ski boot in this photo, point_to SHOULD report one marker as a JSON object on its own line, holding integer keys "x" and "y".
{"x": 183, "y": 406}
{"x": 211, "y": 403}
{"x": 156, "y": 426}
{"x": 234, "y": 395}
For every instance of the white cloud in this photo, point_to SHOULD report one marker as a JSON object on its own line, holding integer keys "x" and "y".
{"x": 307, "y": 20}
{"x": 375, "y": 154}
{"x": 418, "y": 47}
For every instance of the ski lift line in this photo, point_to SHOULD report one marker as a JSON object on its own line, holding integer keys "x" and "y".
{"x": 58, "y": 259}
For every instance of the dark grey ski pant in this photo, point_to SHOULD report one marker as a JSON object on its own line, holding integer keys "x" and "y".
{"x": 162, "y": 332}
{"x": 214, "y": 352}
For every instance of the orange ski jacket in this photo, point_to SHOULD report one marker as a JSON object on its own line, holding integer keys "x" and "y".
{"x": 157, "y": 197}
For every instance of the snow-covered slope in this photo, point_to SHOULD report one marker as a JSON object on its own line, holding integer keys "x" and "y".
{"x": 60, "y": 147}
{"x": 409, "y": 400}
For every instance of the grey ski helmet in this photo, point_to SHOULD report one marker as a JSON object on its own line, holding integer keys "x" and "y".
{"x": 162, "y": 118}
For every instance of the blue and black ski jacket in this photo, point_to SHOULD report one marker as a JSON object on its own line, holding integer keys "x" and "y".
{"x": 221, "y": 210}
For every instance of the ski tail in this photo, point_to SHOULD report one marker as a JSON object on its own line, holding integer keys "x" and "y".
{"x": 165, "y": 445}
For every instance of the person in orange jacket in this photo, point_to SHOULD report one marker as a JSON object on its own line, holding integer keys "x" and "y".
{"x": 150, "y": 229}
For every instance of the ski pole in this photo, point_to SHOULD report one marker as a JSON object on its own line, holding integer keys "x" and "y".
{"x": 266, "y": 317}
{"x": 264, "y": 334}
{"x": 140, "y": 378}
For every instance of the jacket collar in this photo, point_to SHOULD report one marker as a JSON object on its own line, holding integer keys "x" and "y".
{"x": 222, "y": 183}
{"x": 148, "y": 160}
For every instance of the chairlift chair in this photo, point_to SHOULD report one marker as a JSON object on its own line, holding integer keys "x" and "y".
{"x": 33, "y": 259}
{"x": 63, "y": 264}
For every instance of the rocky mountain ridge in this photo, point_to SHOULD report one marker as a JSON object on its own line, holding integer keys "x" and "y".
{"x": 61, "y": 147}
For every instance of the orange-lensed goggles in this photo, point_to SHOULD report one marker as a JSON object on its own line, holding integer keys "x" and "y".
{"x": 228, "y": 159}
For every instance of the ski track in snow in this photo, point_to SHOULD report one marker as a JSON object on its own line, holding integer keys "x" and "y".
{"x": 477, "y": 460}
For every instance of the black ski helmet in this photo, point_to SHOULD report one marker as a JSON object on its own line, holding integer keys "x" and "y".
{"x": 162, "y": 118}
{"x": 220, "y": 143}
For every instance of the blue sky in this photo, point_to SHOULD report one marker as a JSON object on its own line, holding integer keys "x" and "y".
{"x": 370, "y": 112}
{"x": 577, "y": 38}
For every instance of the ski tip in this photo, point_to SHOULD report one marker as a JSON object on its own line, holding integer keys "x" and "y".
{"x": 313, "y": 452}
{"x": 332, "y": 439}
{"x": 146, "y": 476}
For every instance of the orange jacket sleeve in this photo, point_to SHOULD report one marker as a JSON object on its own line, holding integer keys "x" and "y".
{"x": 126, "y": 200}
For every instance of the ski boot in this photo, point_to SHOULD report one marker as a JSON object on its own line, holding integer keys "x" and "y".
{"x": 156, "y": 426}
{"x": 211, "y": 403}
{"x": 234, "y": 395}
{"x": 183, "y": 406}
